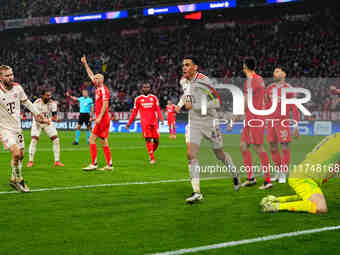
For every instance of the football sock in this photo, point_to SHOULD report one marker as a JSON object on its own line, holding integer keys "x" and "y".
{"x": 265, "y": 166}
{"x": 291, "y": 198}
{"x": 14, "y": 170}
{"x": 150, "y": 146}
{"x": 56, "y": 149}
{"x": 285, "y": 159}
{"x": 170, "y": 130}
{"x": 174, "y": 129}
{"x": 194, "y": 171}
{"x": 19, "y": 170}
{"x": 248, "y": 163}
{"x": 276, "y": 157}
{"x": 228, "y": 161}
{"x": 93, "y": 152}
{"x": 107, "y": 153}
{"x": 298, "y": 206}
{"x": 32, "y": 149}
{"x": 155, "y": 146}
{"x": 77, "y": 135}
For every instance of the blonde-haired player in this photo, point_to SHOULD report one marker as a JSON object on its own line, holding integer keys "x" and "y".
{"x": 12, "y": 96}
{"x": 46, "y": 106}
{"x": 306, "y": 179}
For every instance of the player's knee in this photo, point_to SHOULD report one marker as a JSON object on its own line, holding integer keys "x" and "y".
{"x": 54, "y": 137}
{"x": 16, "y": 155}
{"x": 284, "y": 146}
{"x": 273, "y": 147}
{"x": 243, "y": 147}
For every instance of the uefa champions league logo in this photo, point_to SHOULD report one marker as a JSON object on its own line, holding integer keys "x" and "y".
{"x": 239, "y": 107}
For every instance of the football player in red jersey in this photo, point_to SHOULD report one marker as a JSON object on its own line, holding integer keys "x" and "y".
{"x": 147, "y": 105}
{"x": 102, "y": 122}
{"x": 278, "y": 131}
{"x": 171, "y": 116}
{"x": 253, "y": 130}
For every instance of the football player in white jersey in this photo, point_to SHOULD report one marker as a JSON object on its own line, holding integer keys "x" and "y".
{"x": 11, "y": 96}
{"x": 46, "y": 106}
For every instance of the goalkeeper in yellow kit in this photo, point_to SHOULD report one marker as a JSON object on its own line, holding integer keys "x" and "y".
{"x": 306, "y": 179}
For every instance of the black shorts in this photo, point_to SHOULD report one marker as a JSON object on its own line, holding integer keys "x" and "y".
{"x": 84, "y": 118}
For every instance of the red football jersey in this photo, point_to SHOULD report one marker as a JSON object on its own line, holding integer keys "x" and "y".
{"x": 171, "y": 111}
{"x": 147, "y": 106}
{"x": 258, "y": 89}
{"x": 102, "y": 94}
{"x": 277, "y": 113}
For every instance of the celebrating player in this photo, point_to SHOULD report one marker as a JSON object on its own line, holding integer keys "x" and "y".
{"x": 253, "y": 131}
{"x": 306, "y": 179}
{"x": 102, "y": 124}
{"x": 278, "y": 131}
{"x": 171, "y": 116}
{"x": 195, "y": 86}
{"x": 11, "y": 95}
{"x": 46, "y": 106}
{"x": 86, "y": 113}
{"x": 147, "y": 105}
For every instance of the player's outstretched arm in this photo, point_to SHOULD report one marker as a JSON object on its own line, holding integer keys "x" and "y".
{"x": 133, "y": 114}
{"x": 38, "y": 116}
{"x": 72, "y": 97}
{"x": 87, "y": 68}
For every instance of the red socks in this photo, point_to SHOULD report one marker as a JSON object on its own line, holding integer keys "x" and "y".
{"x": 285, "y": 159}
{"x": 248, "y": 163}
{"x": 93, "y": 152}
{"x": 107, "y": 154}
{"x": 276, "y": 157}
{"x": 150, "y": 147}
{"x": 174, "y": 130}
{"x": 170, "y": 130}
{"x": 265, "y": 166}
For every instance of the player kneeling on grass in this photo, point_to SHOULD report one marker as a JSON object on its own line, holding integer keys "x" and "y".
{"x": 11, "y": 96}
{"x": 306, "y": 179}
{"x": 148, "y": 107}
{"x": 46, "y": 106}
{"x": 195, "y": 86}
{"x": 102, "y": 123}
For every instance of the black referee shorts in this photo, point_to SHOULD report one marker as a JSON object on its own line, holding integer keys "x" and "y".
{"x": 84, "y": 118}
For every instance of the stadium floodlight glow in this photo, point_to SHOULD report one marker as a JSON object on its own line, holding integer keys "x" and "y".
{"x": 89, "y": 17}
{"x": 183, "y": 8}
{"x": 280, "y": 1}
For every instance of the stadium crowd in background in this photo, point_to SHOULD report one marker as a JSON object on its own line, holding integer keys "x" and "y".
{"x": 308, "y": 53}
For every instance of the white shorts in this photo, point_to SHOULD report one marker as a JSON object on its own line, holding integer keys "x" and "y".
{"x": 10, "y": 138}
{"x": 50, "y": 130}
{"x": 195, "y": 133}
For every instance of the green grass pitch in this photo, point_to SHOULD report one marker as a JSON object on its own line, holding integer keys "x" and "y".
{"x": 148, "y": 218}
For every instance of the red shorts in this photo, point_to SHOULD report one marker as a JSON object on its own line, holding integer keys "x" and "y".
{"x": 253, "y": 135}
{"x": 171, "y": 121}
{"x": 278, "y": 133}
{"x": 102, "y": 129}
{"x": 150, "y": 131}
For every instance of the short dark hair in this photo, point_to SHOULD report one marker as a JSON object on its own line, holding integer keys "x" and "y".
{"x": 193, "y": 59}
{"x": 250, "y": 63}
{"x": 281, "y": 67}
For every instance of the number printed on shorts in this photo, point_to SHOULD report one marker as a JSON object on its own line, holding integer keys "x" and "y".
{"x": 20, "y": 138}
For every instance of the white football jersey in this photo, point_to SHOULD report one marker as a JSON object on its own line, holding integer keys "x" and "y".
{"x": 10, "y": 101}
{"x": 45, "y": 109}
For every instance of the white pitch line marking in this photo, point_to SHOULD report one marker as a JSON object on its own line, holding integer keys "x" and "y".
{"x": 247, "y": 241}
{"x": 110, "y": 185}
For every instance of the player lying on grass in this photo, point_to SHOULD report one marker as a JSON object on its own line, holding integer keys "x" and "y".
{"x": 12, "y": 96}
{"x": 195, "y": 86}
{"x": 306, "y": 179}
{"x": 46, "y": 106}
{"x": 148, "y": 107}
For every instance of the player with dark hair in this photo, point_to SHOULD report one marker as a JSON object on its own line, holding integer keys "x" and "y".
{"x": 102, "y": 123}
{"x": 148, "y": 107}
{"x": 278, "y": 131}
{"x": 253, "y": 134}
{"x": 195, "y": 86}
{"x": 46, "y": 106}
{"x": 86, "y": 113}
